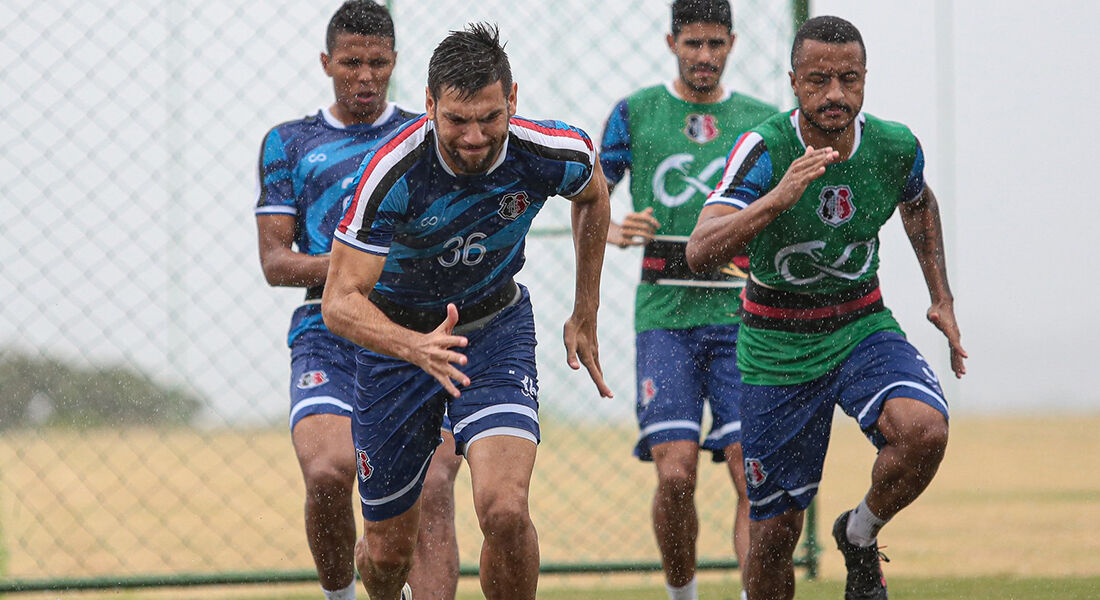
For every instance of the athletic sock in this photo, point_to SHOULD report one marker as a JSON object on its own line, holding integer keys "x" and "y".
{"x": 863, "y": 525}
{"x": 687, "y": 592}
{"x": 347, "y": 593}
{"x": 744, "y": 595}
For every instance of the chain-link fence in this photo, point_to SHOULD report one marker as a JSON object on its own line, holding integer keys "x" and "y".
{"x": 143, "y": 370}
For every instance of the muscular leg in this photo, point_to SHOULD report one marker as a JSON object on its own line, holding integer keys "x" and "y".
{"x": 675, "y": 521}
{"x": 769, "y": 570}
{"x": 384, "y": 554}
{"x": 916, "y": 437}
{"x": 327, "y": 458}
{"x": 500, "y": 471}
{"x": 736, "y": 464}
{"x": 434, "y": 571}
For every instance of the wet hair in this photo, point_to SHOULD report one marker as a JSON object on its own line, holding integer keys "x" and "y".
{"x": 359, "y": 17}
{"x": 686, "y": 12}
{"x": 468, "y": 60}
{"x": 831, "y": 30}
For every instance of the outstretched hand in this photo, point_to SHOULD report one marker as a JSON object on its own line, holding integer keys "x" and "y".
{"x": 943, "y": 317}
{"x": 432, "y": 352}
{"x": 582, "y": 348}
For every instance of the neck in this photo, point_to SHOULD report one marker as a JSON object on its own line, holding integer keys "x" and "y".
{"x": 348, "y": 118}
{"x": 695, "y": 96}
{"x": 842, "y": 141}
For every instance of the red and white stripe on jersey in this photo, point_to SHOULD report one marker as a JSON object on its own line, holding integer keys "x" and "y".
{"x": 741, "y": 150}
{"x": 367, "y": 196}
{"x": 553, "y": 138}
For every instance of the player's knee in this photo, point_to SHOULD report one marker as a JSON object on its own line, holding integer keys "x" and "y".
{"x": 677, "y": 483}
{"x": 505, "y": 518}
{"x": 326, "y": 480}
{"x": 387, "y": 559}
{"x": 925, "y": 430}
{"x": 777, "y": 536}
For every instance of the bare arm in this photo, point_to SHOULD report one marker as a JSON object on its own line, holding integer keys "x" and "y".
{"x": 591, "y": 213}
{"x": 921, "y": 219}
{"x": 349, "y": 313}
{"x": 724, "y": 231}
{"x": 283, "y": 266}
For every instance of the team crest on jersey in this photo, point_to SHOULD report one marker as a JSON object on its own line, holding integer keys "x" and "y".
{"x": 312, "y": 379}
{"x": 701, "y": 128}
{"x": 836, "y": 206}
{"x": 649, "y": 391}
{"x": 754, "y": 472}
{"x": 513, "y": 205}
{"x": 362, "y": 462}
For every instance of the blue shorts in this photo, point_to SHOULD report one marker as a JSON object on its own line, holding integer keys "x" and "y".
{"x": 677, "y": 371}
{"x": 322, "y": 375}
{"x": 399, "y": 408}
{"x": 786, "y": 428}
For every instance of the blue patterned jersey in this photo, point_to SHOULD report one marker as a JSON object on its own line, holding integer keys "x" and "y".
{"x": 306, "y": 171}
{"x": 458, "y": 238}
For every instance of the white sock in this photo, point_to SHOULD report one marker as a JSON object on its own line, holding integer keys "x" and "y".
{"x": 688, "y": 592}
{"x": 347, "y": 593}
{"x": 744, "y": 595}
{"x": 863, "y": 525}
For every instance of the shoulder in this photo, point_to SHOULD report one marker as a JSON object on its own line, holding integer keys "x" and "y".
{"x": 749, "y": 104}
{"x": 294, "y": 127}
{"x": 551, "y": 139}
{"x": 398, "y": 152}
{"x": 892, "y": 134}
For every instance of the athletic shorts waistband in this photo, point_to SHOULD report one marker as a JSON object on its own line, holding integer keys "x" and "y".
{"x": 768, "y": 308}
{"x": 469, "y": 318}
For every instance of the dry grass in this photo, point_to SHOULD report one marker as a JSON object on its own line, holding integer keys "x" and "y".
{"x": 1014, "y": 496}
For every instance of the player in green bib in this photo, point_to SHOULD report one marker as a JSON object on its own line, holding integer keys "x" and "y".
{"x": 806, "y": 193}
{"x": 673, "y": 138}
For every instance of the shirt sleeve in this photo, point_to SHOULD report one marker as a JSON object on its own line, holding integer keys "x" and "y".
{"x": 748, "y": 173}
{"x": 274, "y": 186}
{"x": 914, "y": 185}
{"x": 616, "y": 156}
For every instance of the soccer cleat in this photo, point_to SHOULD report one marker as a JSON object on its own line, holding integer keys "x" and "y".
{"x": 406, "y": 593}
{"x": 865, "y": 580}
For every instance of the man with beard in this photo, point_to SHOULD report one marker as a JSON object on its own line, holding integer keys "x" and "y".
{"x": 806, "y": 193}
{"x": 306, "y": 166}
{"x": 673, "y": 138}
{"x": 423, "y": 280}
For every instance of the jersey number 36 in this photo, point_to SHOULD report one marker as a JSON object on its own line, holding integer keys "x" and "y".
{"x": 467, "y": 250}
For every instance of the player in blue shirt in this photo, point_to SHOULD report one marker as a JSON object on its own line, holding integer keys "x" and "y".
{"x": 306, "y": 170}
{"x": 423, "y": 280}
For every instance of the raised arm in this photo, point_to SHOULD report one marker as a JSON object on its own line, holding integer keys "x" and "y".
{"x": 349, "y": 313}
{"x": 283, "y": 266}
{"x": 723, "y": 231}
{"x": 591, "y": 212}
{"x": 921, "y": 219}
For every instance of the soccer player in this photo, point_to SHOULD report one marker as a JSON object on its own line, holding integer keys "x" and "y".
{"x": 806, "y": 193}
{"x": 674, "y": 139}
{"x": 306, "y": 167}
{"x": 423, "y": 280}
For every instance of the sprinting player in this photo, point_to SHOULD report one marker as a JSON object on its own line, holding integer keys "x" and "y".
{"x": 806, "y": 193}
{"x": 423, "y": 280}
{"x": 306, "y": 167}
{"x": 674, "y": 138}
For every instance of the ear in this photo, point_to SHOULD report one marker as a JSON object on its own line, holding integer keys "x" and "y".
{"x": 429, "y": 103}
{"x": 791, "y": 75}
{"x": 512, "y": 100}
{"x": 325, "y": 60}
{"x": 671, "y": 41}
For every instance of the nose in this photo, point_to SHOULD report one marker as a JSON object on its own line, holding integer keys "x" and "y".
{"x": 473, "y": 135}
{"x": 834, "y": 92}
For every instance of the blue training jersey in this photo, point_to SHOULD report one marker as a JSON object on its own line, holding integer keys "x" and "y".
{"x": 458, "y": 238}
{"x": 306, "y": 171}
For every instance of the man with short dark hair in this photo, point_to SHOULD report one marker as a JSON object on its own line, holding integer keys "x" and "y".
{"x": 306, "y": 167}
{"x": 673, "y": 138}
{"x": 806, "y": 193}
{"x": 423, "y": 280}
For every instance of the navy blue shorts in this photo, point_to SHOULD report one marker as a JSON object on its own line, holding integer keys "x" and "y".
{"x": 786, "y": 428}
{"x": 322, "y": 375}
{"x": 399, "y": 408}
{"x": 678, "y": 370}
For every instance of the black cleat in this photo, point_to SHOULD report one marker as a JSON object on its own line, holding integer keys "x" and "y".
{"x": 865, "y": 580}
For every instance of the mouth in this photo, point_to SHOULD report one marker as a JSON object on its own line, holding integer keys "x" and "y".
{"x": 366, "y": 97}
{"x": 834, "y": 110}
